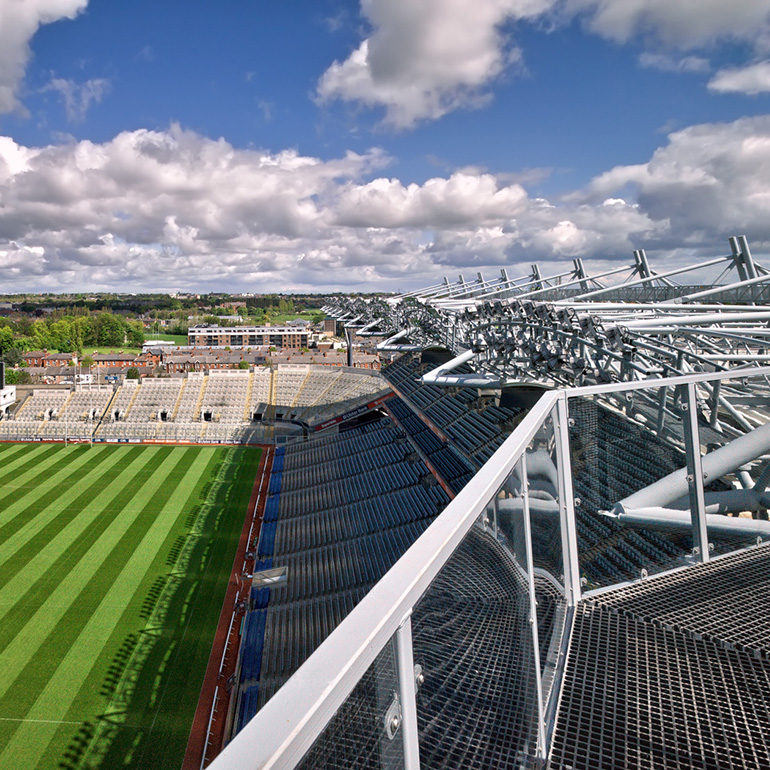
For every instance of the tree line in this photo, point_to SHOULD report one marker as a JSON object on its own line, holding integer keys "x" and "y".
{"x": 69, "y": 334}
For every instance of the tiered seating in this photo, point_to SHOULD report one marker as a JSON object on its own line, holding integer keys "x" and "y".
{"x": 317, "y": 382}
{"x": 189, "y": 400}
{"x": 477, "y": 431}
{"x": 123, "y": 398}
{"x": 113, "y": 424}
{"x": 287, "y": 384}
{"x": 80, "y": 413}
{"x": 42, "y": 405}
{"x": 341, "y": 510}
{"x": 346, "y": 392}
{"x": 260, "y": 390}
{"x": 612, "y": 457}
{"x": 18, "y": 430}
{"x": 155, "y": 397}
{"x": 216, "y": 407}
{"x": 224, "y": 404}
{"x": 450, "y": 465}
{"x": 225, "y": 397}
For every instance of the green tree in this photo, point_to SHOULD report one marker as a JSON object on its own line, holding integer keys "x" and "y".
{"x": 243, "y": 365}
{"x": 18, "y": 378}
{"x": 12, "y": 357}
{"x": 85, "y": 331}
{"x": 135, "y": 333}
{"x": 62, "y": 335}
{"x": 24, "y": 326}
{"x": 132, "y": 373}
{"x": 110, "y": 330}
{"x": 41, "y": 336}
{"x": 6, "y": 339}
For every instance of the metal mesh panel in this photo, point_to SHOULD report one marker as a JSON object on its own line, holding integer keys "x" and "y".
{"x": 477, "y": 707}
{"x": 358, "y": 734}
{"x": 640, "y": 696}
{"x": 543, "y": 488}
{"x": 547, "y": 555}
{"x": 613, "y": 457}
{"x": 671, "y": 673}
{"x": 725, "y": 600}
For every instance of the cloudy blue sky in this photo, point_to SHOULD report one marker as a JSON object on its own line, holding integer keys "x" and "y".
{"x": 295, "y": 145}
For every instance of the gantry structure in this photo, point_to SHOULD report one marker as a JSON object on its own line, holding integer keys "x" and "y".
{"x": 573, "y": 328}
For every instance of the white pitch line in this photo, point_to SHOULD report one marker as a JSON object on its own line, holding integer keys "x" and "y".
{"x": 42, "y": 721}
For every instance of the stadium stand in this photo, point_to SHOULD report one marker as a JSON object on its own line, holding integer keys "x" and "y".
{"x": 341, "y": 510}
{"x": 222, "y": 406}
{"x": 613, "y": 457}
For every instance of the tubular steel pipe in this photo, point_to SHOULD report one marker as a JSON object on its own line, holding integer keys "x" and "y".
{"x": 724, "y": 460}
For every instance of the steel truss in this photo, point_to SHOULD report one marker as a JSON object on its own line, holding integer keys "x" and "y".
{"x": 573, "y": 329}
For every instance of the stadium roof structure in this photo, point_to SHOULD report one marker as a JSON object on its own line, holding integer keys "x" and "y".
{"x": 575, "y": 329}
{"x": 595, "y": 595}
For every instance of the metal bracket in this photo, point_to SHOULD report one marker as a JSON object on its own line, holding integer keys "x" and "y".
{"x": 392, "y": 719}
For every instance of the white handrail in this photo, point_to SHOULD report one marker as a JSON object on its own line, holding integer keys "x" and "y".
{"x": 289, "y": 723}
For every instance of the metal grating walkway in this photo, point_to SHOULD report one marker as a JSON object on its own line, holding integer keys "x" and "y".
{"x": 671, "y": 673}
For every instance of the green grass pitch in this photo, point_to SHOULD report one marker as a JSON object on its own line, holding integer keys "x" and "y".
{"x": 114, "y": 561}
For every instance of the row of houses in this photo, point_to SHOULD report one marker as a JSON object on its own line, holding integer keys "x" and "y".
{"x": 64, "y": 368}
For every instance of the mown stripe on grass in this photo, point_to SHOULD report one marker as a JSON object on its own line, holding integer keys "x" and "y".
{"x": 165, "y": 742}
{"x": 75, "y": 511}
{"x": 33, "y": 512}
{"x": 39, "y": 479}
{"x": 170, "y": 651}
{"x": 32, "y": 572}
{"x": 13, "y": 452}
{"x": 26, "y": 472}
{"x": 25, "y": 667}
{"x": 29, "y": 461}
{"x": 63, "y": 686}
{"x": 138, "y": 514}
{"x": 31, "y": 586}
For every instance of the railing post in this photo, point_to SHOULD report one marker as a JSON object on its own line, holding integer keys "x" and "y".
{"x": 530, "y": 565}
{"x": 695, "y": 473}
{"x": 407, "y": 687}
{"x": 569, "y": 541}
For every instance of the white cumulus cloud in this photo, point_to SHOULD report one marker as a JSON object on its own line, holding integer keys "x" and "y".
{"x": 753, "y": 79}
{"x": 152, "y": 210}
{"x": 680, "y": 24}
{"x": 707, "y": 180}
{"x": 462, "y": 199}
{"x": 19, "y": 20}
{"x": 668, "y": 63}
{"x": 424, "y": 59}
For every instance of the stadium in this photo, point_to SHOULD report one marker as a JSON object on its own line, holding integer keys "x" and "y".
{"x": 536, "y": 539}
